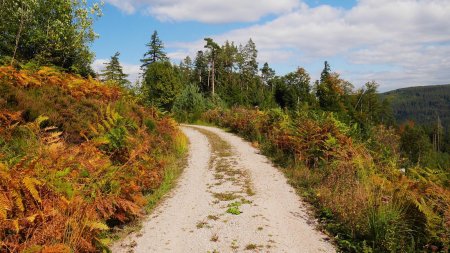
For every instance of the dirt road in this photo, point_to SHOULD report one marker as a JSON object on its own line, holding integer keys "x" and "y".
{"x": 228, "y": 199}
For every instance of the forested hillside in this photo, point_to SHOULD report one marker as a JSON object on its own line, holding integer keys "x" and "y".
{"x": 422, "y": 105}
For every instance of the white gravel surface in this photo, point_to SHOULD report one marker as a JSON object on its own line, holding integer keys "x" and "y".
{"x": 194, "y": 219}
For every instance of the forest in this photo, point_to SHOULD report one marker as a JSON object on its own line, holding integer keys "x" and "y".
{"x": 82, "y": 153}
{"x": 427, "y": 106}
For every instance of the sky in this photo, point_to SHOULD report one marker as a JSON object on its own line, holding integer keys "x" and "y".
{"x": 397, "y": 43}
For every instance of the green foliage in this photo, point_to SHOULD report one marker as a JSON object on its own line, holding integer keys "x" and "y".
{"x": 267, "y": 74}
{"x": 155, "y": 51}
{"x": 215, "y": 101}
{"x": 161, "y": 85}
{"x": 415, "y": 144}
{"x": 389, "y": 230}
{"x": 283, "y": 94}
{"x": 189, "y": 105}
{"x": 113, "y": 72}
{"x": 299, "y": 82}
{"x": 428, "y": 107}
{"x": 329, "y": 94}
{"x": 421, "y": 104}
{"x": 233, "y": 208}
{"x": 150, "y": 124}
{"x": 49, "y": 32}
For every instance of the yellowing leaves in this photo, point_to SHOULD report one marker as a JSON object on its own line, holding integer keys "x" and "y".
{"x": 97, "y": 225}
{"x": 77, "y": 86}
{"x": 72, "y": 178}
{"x": 57, "y": 248}
{"x": 4, "y": 175}
{"x": 5, "y": 206}
{"x": 18, "y": 200}
{"x": 16, "y": 226}
{"x": 32, "y": 218}
{"x": 30, "y": 184}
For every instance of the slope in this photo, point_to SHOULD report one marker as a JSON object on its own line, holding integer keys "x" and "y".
{"x": 77, "y": 158}
{"x": 421, "y": 104}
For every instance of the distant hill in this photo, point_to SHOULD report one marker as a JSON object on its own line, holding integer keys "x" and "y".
{"x": 421, "y": 104}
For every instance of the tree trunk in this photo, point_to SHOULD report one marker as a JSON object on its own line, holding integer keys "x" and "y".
{"x": 212, "y": 77}
{"x": 19, "y": 33}
{"x": 209, "y": 74}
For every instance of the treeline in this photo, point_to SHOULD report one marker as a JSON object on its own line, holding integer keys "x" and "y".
{"x": 229, "y": 75}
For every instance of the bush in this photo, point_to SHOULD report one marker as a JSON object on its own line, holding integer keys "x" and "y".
{"x": 189, "y": 105}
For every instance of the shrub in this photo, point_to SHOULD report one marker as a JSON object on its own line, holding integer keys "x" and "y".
{"x": 365, "y": 200}
{"x": 68, "y": 177}
{"x": 189, "y": 105}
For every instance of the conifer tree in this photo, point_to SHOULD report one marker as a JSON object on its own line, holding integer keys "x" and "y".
{"x": 330, "y": 90}
{"x": 155, "y": 51}
{"x": 113, "y": 72}
{"x": 250, "y": 53}
{"x": 200, "y": 71}
{"x": 161, "y": 84}
{"x": 185, "y": 69}
{"x": 214, "y": 48}
{"x": 325, "y": 72}
{"x": 267, "y": 73}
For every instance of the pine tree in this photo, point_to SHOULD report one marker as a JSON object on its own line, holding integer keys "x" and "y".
{"x": 250, "y": 53}
{"x": 329, "y": 90}
{"x": 155, "y": 52}
{"x": 201, "y": 71}
{"x": 325, "y": 72}
{"x": 213, "y": 48}
{"x": 267, "y": 74}
{"x": 113, "y": 72}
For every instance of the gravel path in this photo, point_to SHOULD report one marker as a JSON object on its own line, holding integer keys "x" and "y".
{"x": 228, "y": 199}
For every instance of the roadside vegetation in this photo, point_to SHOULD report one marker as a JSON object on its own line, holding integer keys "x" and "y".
{"x": 77, "y": 158}
{"x": 361, "y": 195}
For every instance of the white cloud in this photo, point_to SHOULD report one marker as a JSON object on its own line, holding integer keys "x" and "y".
{"x": 211, "y": 11}
{"x": 99, "y": 64}
{"x": 410, "y": 37}
{"x": 133, "y": 71}
{"x": 128, "y": 7}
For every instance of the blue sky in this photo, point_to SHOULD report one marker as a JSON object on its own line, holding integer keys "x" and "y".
{"x": 397, "y": 43}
